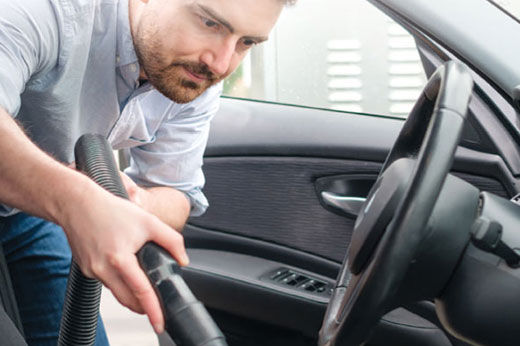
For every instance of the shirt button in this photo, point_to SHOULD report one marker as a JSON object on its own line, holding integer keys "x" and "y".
{"x": 133, "y": 67}
{"x": 118, "y": 59}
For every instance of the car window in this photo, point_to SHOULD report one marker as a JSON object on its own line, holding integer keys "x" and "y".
{"x": 335, "y": 54}
{"x": 510, "y": 6}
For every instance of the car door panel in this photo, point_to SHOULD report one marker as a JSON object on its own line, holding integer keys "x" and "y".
{"x": 263, "y": 185}
{"x": 265, "y": 167}
{"x": 274, "y": 199}
{"x": 235, "y": 282}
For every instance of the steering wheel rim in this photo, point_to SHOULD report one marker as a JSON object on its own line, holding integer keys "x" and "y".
{"x": 391, "y": 225}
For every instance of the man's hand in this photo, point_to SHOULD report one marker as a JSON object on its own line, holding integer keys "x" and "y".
{"x": 168, "y": 204}
{"x": 105, "y": 232}
{"x": 136, "y": 194}
{"x": 113, "y": 261}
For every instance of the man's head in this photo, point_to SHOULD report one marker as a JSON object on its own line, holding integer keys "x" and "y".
{"x": 186, "y": 46}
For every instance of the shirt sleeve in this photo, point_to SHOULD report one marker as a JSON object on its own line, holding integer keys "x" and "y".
{"x": 174, "y": 158}
{"x": 28, "y": 43}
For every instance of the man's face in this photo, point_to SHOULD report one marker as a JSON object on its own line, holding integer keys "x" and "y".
{"x": 186, "y": 46}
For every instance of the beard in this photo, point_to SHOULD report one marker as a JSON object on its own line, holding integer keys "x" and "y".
{"x": 170, "y": 78}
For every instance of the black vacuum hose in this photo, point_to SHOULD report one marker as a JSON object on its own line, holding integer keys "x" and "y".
{"x": 186, "y": 319}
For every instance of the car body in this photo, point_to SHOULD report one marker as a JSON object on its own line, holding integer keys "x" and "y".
{"x": 265, "y": 256}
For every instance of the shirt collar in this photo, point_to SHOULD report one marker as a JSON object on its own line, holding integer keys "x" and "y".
{"x": 125, "y": 46}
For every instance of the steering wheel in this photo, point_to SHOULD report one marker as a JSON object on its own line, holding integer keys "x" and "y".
{"x": 393, "y": 225}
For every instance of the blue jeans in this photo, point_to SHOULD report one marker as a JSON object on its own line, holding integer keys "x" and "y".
{"x": 38, "y": 257}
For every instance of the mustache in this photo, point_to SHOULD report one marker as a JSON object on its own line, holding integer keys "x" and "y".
{"x": 196, "y": 68}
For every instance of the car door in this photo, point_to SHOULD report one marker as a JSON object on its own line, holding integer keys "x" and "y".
{"x": 288, "y": 166}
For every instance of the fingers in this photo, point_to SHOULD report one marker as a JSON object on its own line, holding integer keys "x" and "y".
{"x": 126, "y": 179}
{"x": 127, "y": 182}
{"x": 123, "y": 294}
{"x": 171, "y": 241}
{"x": 108, "y": 252}
{"x": 132, "y": 189}
{"x": 141, "y": 290}
{"x": 130, "y": 284}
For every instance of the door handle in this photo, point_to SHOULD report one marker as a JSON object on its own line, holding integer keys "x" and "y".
{"x": 347, "y": 204}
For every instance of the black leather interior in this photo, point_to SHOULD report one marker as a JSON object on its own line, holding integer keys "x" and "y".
{"x": 234, "y": 288}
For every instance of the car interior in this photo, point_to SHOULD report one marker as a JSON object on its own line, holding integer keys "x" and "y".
{"x": 298, "y": 215}
{"x": 286, "y": 183}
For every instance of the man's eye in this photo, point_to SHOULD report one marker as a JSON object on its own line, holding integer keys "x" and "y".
{"x": 249, "y": 42}
{"x": 209, "y": 23}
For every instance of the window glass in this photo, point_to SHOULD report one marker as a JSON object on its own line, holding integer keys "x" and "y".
{"x": 342, "y": 55}
{"x": 511, "y": 6}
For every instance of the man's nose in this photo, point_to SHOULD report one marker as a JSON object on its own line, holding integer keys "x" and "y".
{"x": 218, "y": 58}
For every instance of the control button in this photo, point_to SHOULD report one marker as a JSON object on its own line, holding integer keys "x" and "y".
{"x": 310, "y": 288}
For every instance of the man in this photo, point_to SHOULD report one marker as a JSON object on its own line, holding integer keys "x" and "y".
{"x": 145, "y": 73}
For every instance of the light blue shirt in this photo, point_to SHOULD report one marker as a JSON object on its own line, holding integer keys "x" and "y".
{"x": 68, "y": 67}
